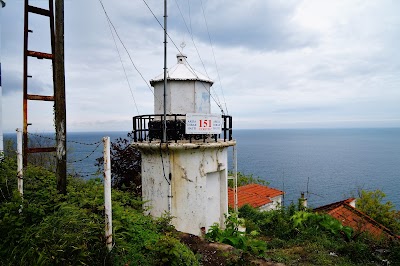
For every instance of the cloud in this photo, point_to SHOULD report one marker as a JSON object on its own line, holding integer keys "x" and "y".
{"x": 280, "y": 63}
{"x": 260, "y": 25}
{"x": 305, "y": 109}
{"x": 12, "y": 82}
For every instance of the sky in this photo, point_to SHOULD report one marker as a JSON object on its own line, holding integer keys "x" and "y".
{"x": 275, "y": 64}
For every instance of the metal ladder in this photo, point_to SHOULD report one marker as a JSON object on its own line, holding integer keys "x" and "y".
{"x": 39, "y": 55}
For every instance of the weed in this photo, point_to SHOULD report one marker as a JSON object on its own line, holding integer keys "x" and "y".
{"x": 232, "y": 236}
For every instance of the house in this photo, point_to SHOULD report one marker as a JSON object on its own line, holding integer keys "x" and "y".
{"x": 345, "y": 212}
{"x": 262, "y": 197}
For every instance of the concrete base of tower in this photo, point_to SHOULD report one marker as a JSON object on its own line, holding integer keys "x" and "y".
{"x": 188, "y": 181}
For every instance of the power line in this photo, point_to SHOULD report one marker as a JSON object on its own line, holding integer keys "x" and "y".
{"x": 190, "y": 18}
{"x": 198, "y": 53}
{"x": 191, "y": 36}
{"x": 215, "y": 61}
{"x": 126, "y": 50}
{"x": 209, "y": 91}
{"x": 120, "y": 59}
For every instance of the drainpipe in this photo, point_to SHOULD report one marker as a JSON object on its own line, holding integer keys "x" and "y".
{"x": 170, "y": 181}
{"x": 170, "y": 193}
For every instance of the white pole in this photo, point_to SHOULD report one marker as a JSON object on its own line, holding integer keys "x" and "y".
{"x": 235, "y": 178}
{"x": 20, "y": 175}
{"x": 107, "y": 192}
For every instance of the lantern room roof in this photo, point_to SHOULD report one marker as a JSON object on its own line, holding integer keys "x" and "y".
{"x": 182, "y": 71}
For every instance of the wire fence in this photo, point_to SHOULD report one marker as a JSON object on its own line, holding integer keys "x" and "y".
{"x": 83, "y": 155}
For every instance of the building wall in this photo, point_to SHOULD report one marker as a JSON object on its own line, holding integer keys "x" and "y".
{"x": 159, "y": 98}
{"x": 184, "y": 97}
{"x": 154, "y": 184}
{"x": 202, "y": 97}
{"x": 198, "y": 185}
{"x": 275, "y": 204}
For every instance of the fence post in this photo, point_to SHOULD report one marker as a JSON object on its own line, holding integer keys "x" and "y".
{"x": 107, "y": 192}
{"x": 19, "y": 163}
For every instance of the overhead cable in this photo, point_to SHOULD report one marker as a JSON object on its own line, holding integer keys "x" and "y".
{"x": 191, "y": 36}
{"x": 216, "y": 102}
{"x": 123, "y": 67}
{"x": 215, "y": 61}
{"x": 116, "y": 33}
{"x": 195, "y": 46}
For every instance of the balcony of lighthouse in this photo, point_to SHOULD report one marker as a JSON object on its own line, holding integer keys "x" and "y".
{"x": 148, "y": 130}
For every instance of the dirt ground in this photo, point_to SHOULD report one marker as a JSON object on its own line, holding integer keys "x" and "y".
{"x": 218, "y": 254}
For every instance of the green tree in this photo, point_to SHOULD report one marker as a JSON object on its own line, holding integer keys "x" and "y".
{"x": 371, "y": 203}
{"x": 243, "y": 179}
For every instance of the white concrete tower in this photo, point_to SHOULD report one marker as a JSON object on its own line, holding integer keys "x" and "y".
{"x": 2, "y": 4}
{"x": 187, "y": 175}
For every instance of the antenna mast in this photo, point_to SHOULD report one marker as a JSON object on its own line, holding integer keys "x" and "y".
{"x": 165, "y": 74}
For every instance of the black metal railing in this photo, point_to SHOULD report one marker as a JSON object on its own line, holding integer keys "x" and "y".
{"x": 150, "y": 128}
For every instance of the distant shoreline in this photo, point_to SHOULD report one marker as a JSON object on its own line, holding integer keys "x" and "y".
{"x": 234, "y": 129}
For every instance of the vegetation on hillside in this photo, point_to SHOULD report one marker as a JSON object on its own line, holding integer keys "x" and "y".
{"x": 45, "y": 228}
{"x": 304, "y": 238}
{"x": 243, "y": 179}
{"x": 371, "y": 203}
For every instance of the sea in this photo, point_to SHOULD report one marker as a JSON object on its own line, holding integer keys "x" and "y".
{"x": 328, "y": 165}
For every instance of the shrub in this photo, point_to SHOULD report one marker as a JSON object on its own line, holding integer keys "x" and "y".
{"x": 315, "y": 221}
{"x": 243, "y": 179}
{"x": 44, "y": 229}
{"x": 394, "y": 253}
{"x": 232, "y": 236}
{"x": 275, "y": 223}
{"x": 125, "y": 164}
{"x": 357, "y": 251}
{"x": 172, "y": 252}
{"x": 55, "y": 229}
{"x": 8, "y": 179}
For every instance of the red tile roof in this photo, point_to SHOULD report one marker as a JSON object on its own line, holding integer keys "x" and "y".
{"x": 253, "y": 194}
{"x": 350, "y": 216}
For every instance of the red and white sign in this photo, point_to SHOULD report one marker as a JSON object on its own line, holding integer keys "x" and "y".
{"x": 203, "y": 124}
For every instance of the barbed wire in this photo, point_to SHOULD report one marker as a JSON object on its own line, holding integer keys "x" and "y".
{"x": 68, "y": 141}
{"x": 83, "y": 143}
{"x": 87, "y": 156}
{"x": 85, "y": 174}
{"x": 79, "y": 174}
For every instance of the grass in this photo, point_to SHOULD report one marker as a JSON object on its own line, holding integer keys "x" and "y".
{"x": 51, "y": 229}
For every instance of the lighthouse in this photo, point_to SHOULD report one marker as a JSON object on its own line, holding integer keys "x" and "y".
{"x": 184, "y": 173}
